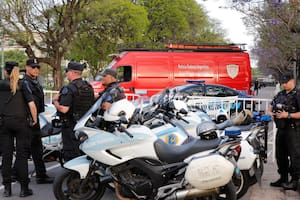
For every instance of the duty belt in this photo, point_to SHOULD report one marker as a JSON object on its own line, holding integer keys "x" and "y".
{"x": 294, "y": 124}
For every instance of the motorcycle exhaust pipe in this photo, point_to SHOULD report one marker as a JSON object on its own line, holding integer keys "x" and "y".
{"x": 191, "y": 194}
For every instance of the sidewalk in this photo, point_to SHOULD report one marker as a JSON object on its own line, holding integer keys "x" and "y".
{"x": 265, "y": 191}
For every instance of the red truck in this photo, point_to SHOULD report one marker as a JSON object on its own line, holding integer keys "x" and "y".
{"x": 148, "y": 71}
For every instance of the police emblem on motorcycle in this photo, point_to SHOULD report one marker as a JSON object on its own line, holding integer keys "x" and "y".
{"x": 171, "y": 139}
{"x": 232, "y": 70}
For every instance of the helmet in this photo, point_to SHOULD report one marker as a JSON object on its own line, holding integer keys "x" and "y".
{"x": 119, "y": 108}
{"x": 207, "y": 130}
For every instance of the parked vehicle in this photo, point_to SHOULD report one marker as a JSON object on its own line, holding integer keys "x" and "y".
{"x": 254, "y": 133}
{"x": 143, "y": 166}
{"x": 51, "y": 136}
{"x": 148, "y": 71}
{"x": 197, "y": 93}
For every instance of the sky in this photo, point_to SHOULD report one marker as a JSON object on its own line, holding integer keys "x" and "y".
{"x": 230, "y": 20}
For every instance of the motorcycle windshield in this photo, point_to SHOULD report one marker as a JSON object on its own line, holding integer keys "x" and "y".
{"x": 82, "y": 121}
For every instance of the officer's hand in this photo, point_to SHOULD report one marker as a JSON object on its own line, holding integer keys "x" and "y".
{"x": 105, "y": 105}
{"x": 281, "y": 114}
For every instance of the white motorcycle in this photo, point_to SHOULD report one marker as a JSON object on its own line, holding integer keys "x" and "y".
{"x": 143, "y": 166}
{"x": 253, "y": 145}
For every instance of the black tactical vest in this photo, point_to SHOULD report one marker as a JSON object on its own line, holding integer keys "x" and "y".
{"x": 83, "y": 98}
{"x": 11, "y": 105}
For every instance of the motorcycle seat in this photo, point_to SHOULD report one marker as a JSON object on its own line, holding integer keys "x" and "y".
{"x": 171, "y": 153}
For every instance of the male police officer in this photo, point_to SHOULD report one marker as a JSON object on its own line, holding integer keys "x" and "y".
{"x": 33, "y": 92}
{"x": 113, "y": 91}
{"x": 285, "y": 108}
{"x": 71, "y": 103}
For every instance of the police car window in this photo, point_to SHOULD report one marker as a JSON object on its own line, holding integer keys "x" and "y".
{"x": 230, "y": 92}
{"x": 124, "y": 73}
{"x": 194, "y": 90}
{"x": 212, "y": 91}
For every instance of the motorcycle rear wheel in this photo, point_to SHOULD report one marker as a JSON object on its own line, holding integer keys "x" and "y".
{"x": 228, "y": 192}
{"x": 242, "y": 183}
{"x": 67, "y": 186}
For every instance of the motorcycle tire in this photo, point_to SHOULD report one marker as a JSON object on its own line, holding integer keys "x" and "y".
{"x": 242, "y": 183}
{"x": 253, "y": 179}
{"x": 67, "y": 186}
{"x": 228, "y": 192}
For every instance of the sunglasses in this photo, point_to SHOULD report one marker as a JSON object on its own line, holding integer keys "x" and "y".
{"x": 33, "y": 67}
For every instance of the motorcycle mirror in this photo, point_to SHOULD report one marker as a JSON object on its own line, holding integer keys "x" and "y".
{"x": 123, "y": 119}
{"x": 183, "y": 111}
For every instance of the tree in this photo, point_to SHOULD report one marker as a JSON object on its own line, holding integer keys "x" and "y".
{"x": 45, "y": 28}
{"x": 180, "y": 21}
{"x": 277, "y": 27}
{"x": 106, "y": 25}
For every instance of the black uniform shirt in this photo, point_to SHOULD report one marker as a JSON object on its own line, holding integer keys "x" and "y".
{"x": 33, "y": 91}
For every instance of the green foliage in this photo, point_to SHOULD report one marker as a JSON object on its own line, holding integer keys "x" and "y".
{"x": 106, "y": 25}
{"x": 111, "y": 24}
{"x": 16, "y": 56}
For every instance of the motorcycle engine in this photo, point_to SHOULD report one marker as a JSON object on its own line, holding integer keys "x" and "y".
{"x": 134, "y": 181}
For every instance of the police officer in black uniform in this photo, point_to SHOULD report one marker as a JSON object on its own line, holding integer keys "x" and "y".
{"x": 285, "y": 109}
{"x": 113, "y": 91}
{"x": 33, "y": 92}
{"x": 14, "y": 126}
{"x": 71, "y": 103}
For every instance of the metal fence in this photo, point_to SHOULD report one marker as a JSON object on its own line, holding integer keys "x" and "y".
{"x": 49, "y": 94}
{"x": 226, "y": 103}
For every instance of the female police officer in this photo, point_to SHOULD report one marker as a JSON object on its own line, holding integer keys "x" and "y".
{"x": 14, "y": 126}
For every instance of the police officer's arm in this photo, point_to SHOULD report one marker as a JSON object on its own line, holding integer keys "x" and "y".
{"x": 60, "y": 108}
{"x": 105, "y": 105}
{"x": 295, "y": 115}
{"x": 27, "y": 92}
{"x": 33, "y": 112}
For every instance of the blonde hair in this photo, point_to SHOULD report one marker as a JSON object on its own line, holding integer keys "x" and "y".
{"x": 14, "y": 79}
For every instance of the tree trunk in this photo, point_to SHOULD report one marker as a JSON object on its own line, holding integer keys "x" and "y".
{"x": 57, "y": 75}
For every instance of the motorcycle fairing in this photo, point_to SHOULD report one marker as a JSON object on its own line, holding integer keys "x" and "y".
{"x": 170, "y": 134}
{"x": 115, "y": 148}
{"x": 80, "y": 164}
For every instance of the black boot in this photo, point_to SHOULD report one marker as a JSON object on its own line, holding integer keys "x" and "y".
{"x": 7, "y": 190}
{"x": 44, "y": 179}
{"x": 25, "y": 191}
{"x": 291, "y": 185}
{"x": 279, "y": 183}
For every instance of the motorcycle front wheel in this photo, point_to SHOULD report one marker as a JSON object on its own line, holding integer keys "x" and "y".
{"x": 67, "y": 185}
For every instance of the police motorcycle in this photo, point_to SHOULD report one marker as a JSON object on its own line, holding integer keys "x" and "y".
{"x": 141, "y": 165}
{"x": 50, "y": 135}
{"x": 254, "y": 131}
